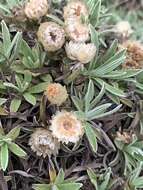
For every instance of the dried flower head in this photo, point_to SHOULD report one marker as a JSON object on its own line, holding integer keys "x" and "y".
{"x": 134, "y": 56}
{"x": 124, "y": 137}
{"x": 76, "y": 9}
{"x": 123, "y": 29}
{"x": 82, "y": 52}
{"x": 76, "y": 31}
{"x": 18, "y": 14}
{"x": 36, "y": 9}
{"x": 66, "y": 127}
{"x": 43, "y": 143}
{"x": 51, "y": 35}
{"x": 56, "y": 93}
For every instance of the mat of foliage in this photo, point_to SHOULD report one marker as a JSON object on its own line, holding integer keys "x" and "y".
{"x": 107, "y": 97}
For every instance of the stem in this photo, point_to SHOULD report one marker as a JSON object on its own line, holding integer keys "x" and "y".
{"x": 3, "y": 183}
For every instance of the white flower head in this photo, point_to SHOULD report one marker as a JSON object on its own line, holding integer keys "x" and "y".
{"x": 56, "y": 93}
{"x": 35, "y": 9}
{"x": 51, "y": 35}
{"x": 66, "y": 127}
{"x": 76, "y": 9}
{"x": 77, "y": 31}
{"x": 43, "y": 143}
{"x": 82, "y": 52}
{"x": 123, "y": 28}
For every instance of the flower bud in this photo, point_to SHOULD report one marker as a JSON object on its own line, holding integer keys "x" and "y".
{"x": 43, "y": 143}
{"x": 123, "y": 29}
{"x": 66, "y": 127}
{"x": 124, "y": 137}
{"x": 51, "y": 35}
{"x": 76, "y": 9}
{"x": 82, "y": 52}
{"x": 76, "y": 31}
{"x": 35, "y": 9}
{"x": 56, "y": 93}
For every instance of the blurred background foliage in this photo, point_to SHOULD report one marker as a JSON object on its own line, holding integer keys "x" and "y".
{"x": 130, "y": 10}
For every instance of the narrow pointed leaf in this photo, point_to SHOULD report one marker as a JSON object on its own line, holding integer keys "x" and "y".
{"x": 14, "y": 133}
{"x": 91, "y": 136}
{"x": 60, "y": 177}
{"x": 16, "y": 150}
{"x": 30, "y": 98}
{"x": 4, "y": 156}
{"x": 41, "y": 186}
{"x": 70, "y": 186}
{"x": 15, "y": 104}
{"x": 93, "y": 178}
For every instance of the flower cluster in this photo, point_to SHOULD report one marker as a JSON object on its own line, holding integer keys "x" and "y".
{"x": 52, "y": 36}
{"x": 65, "y": 128}
{"x": 78, "y": 32}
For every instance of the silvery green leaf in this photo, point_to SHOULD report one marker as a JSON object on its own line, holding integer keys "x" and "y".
{"x": 136, "y": 172}
{"x": 5, "y": 37}
{"x": 4, "y": 156}
{"x": 38, "y": 88}
{"x": 91, "y": 136}
{"x": 112, "y": 89}
{"x": 122, "y": 74}
{"x": 42, "y": 187}
{"x": 19, "y": 82}
{"x": 94, "y": 38}
{"x": 98, "y": 97}
{"x": 15, "y": 40}
{"x": 94, "y": 9}
{"x": 105, "y": 183}
{"x": 100, "y": 115}
{"x": 17, "y": 150}
{"x": 14, "y": 133}
{"x": 4, "y": 8}
{"x": 77, "y": 102}
{"x": 15, "y": 104}
{"x": 69, "y": 186}
{"x": 60, "y": 177}
{"x": 30, "y": 98}
{"x": 93, "y": 178}
{"x": 110, "y": 64}
{"x": 80, "y": 115}
{"x": 10, "y": 85}
{"x": 16, "y": 47}
{"x": 89, "y": 95}
{"x": 97, "y": 111}
{"x": 137, "y": 182}
{"x": 110, "y": 52}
